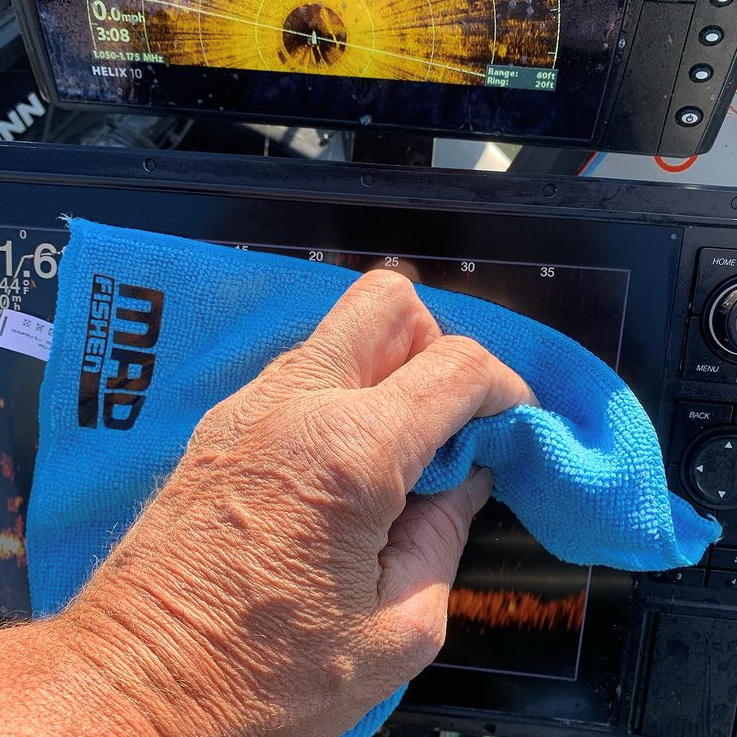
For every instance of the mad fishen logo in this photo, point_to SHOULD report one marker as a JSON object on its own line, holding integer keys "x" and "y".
{"x": 122, "y": 379}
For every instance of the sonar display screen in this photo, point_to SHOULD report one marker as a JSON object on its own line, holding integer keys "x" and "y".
{"x": 449, "y": 41}
{"x": 434, "y": 63}
{"x": 515, "y": 610}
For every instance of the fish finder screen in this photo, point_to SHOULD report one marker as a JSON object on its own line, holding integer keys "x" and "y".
{"x": 528, "y": 635}
{"x": 327, "y": 56}
{"x": 515, "y": 611}
{"x": 449, "y": 41}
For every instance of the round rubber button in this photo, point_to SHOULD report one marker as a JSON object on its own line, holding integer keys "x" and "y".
{"x": 713, "y": 470}
{"x": 711, "y": 35}
{"x": 701, "y": 73}
{"x": 688, "y": 117}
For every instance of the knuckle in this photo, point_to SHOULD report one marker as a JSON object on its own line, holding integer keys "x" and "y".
{"x": 466, "y": 354}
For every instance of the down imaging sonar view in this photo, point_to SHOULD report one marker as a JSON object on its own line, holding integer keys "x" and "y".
{"x": 450, "y": 41}
{"x": 447, "y": 41}
{"x": 519, "y": 67}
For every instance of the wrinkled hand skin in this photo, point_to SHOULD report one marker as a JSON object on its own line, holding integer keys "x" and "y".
{"x": 282, "y": 582}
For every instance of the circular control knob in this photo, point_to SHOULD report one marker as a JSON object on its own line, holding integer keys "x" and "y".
{"x": 721, "y": 321}
{"x": 710, "y": 470}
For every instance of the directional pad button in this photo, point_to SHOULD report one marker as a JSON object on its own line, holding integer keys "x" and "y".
{"x": 712, "y": 471}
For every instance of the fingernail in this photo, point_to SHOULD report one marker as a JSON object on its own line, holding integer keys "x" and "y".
{"x": 479, "y": 486}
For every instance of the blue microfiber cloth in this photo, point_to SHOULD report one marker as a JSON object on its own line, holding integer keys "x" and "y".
{"x": 584, "y": 474}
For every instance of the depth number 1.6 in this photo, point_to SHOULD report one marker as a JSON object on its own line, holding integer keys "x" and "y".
{"x": 45, "y": 259}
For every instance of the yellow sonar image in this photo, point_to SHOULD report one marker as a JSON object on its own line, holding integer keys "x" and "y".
{"x": 443, "y": 41}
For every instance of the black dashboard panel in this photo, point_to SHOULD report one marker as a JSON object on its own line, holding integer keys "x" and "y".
{"x": 628, "y": 75}
{"x": 644, "y": 275}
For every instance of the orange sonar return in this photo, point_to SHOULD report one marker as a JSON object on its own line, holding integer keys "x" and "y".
{"x": 493, "y": 609}
{"x": 445, "y": 41}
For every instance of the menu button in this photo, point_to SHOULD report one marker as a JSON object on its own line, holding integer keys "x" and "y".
{"x": 700, "y": 363}
{"x": 708, "y": 368}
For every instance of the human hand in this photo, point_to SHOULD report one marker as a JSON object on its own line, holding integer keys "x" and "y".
{"x": 282, "y": 582}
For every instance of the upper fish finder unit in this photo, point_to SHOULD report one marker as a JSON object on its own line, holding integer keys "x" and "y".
{"x": 626, "y": 75}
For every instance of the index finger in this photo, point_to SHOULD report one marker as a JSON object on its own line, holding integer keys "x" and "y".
{"x": 429, "y": 399}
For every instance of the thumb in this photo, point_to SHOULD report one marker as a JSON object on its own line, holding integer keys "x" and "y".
{"x": 425, "y": 543}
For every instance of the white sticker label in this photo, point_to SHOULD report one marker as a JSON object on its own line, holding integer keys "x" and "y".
{"x": 25, "y": 334}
